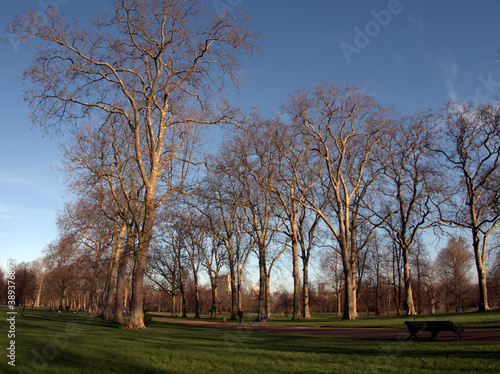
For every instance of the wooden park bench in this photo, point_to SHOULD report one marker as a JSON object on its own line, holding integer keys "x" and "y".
{"x": 435, "y": 327}
{"x": 260, "y": 321}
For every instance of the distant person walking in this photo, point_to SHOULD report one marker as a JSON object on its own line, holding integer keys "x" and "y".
{"x": 240, "y": 314}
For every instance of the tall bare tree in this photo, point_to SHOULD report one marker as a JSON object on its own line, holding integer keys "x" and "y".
{"x": 219, "y": 200}
{"x": 99, "y": 162}
{"x": 166, "y": 261}
{"x": 471, "y": 151}
{"x": 342, "y": 126}
{"x": 156, "y": 66}
{"x": 410, "y": 182}
{"x": 93, "y": 235}
{"x": 193, "y": 239}
{"x": 291, "y": 182}
{"x": 39, "y": 266}
{"x": 246, "y": 159}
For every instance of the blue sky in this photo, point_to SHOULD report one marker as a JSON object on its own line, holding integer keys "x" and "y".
{"x": 411, "y": 54}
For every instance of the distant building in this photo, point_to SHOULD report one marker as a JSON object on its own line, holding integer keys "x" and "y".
{"x": 255, "y": 289}
{"x": 323, "y": 287}
{"x": 225, "y": 283}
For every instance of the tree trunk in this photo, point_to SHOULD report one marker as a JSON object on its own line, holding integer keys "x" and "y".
{"x": 109, "y": 300}
{"x": 213, "y": 312}
{"x": 174, "y": 306}
{"x": 39, "y": 293}
{"x": 408, "y": 303}
{"x": 483, "y": 291}
{"x": 113, "y": 273}
{"x": 240, "y": 276}
{"x": 183, "y": 296}
{"x": 349, "y": 293}
{"x": 296, "y": 279}
{"x": 92, "y": 301}
{"x": 339, "y": 303}
{"x": 262, "y": 284}
{"x": 120, "y": 294}
{"x": 481, "y": 273}
{"x": 268, "y": 297}
{"x": 136, "y": 320}
{"x": 197, "y": 297}
{"x": 306, "y": 310}
{"x": 377, "y": 290}
{"x": 433, "y": 302}
{"x": 234, "y": 291}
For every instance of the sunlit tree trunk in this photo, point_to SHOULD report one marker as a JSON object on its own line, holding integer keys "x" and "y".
{"x": 113, "y": 272}
{"x": 296, "y": 277}
{"x": 305, "y": 287}
{"x": 121, "y": 286}
{"x": 263, "y": 307}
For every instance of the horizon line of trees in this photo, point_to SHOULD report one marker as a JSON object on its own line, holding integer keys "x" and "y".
{"x": 136, "y": 93}
{"x": 444, "y": 284}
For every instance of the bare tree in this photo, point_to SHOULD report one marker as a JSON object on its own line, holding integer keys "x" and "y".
{"x": 26, "y": 285}
{"x": 99, "y": 162}
{"x": 454, "y": 262}
{"x": 245, "y": 162}
{"x": 193, "y": 236}
{"x": 331, "y": 268}
{"x": 219, "y": 201}
{"x": 395, "y": 274}
{"x": 410, "y": 182}
{"x": 307, "y": 230}
{"x": 165, "y": 265}
{"x": 292, "y": 181}
{"x": 39, "y": 267}
{"x": 61, "y": 259}
{"x": 156, "y": 66}
{"x": 93, "y": 234}
{"x": 375, "y": 270}
{"x": 423, "y": 276}
{"x": 472, "y": 153}
{"x": 342, "y": 126}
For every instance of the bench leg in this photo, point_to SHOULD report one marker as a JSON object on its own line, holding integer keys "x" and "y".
{"x": 434, "y": 334}
{"x": 413, "y": 335}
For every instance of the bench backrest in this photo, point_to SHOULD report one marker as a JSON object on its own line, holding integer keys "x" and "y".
{"x": 430, "y": 324}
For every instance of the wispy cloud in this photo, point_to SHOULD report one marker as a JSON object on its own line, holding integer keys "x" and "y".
{"x": 449, "y": 65}
{"x": 8, "y": 211}
{"x": 418, "y": 22}
{"x": 10, "y": 177}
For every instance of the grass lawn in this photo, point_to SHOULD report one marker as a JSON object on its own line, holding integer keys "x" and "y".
{"x": 466, "y": 320}
{"x": 48, "y": 342}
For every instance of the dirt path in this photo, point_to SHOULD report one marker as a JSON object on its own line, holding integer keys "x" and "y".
{"x": 492, "y": 334}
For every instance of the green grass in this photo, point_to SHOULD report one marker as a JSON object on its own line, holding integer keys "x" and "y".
{"x": 467, "y": 320}
{"x": 48, "y": 342}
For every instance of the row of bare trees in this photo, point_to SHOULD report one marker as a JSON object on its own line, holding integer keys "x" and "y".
{"x": 136, "y": 91}
{"x": 445, "y": 284}
{"x": 268, "y": 190}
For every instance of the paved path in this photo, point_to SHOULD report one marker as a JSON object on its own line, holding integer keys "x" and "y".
{"x": 492, "y": 334}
